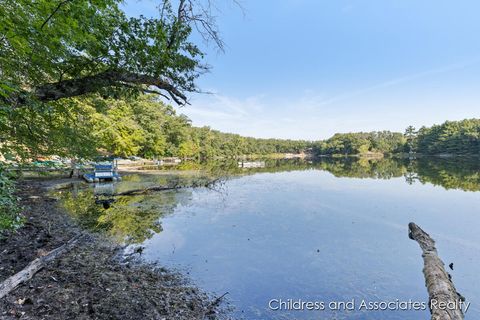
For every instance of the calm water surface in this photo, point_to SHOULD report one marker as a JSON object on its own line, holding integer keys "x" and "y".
{"x": 317, "y": 234}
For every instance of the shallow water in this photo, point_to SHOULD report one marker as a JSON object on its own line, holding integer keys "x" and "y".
{"x": 319, "y": 234}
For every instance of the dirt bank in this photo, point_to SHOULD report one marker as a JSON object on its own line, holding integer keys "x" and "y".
{"x": 91, "y": 281}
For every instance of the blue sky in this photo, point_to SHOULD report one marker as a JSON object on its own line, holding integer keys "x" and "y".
{"x": 305, "y": 69}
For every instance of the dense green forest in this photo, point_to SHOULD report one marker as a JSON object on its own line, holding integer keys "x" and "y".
{"x": 147, "y": 127}
{"x": 451, "y": 137}
{"x": 143, "y": 126}
{"x": 385, "y": 142}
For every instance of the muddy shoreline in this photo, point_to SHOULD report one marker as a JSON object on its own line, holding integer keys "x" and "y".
{"x": 93, "y": 281}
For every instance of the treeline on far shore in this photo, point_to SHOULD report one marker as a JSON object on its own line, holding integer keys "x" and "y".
{"x": 148, "y": 128}
{"x": 449, "y": 138}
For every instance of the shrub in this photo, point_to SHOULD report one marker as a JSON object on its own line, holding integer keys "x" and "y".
{"x": 9, "y": 208}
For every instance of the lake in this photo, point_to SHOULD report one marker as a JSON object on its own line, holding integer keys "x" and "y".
{"x": 331, "y": 231}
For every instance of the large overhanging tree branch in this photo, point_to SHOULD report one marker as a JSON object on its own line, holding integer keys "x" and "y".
{"x": 75, "y": 87}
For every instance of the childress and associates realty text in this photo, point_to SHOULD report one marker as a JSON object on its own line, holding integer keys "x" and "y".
{"x": 299, "y": 304}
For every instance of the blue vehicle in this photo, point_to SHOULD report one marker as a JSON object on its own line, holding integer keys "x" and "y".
{"x": 103, "y": 172}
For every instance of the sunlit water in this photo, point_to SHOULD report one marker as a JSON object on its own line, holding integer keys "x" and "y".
{"x": 312, "y": 236}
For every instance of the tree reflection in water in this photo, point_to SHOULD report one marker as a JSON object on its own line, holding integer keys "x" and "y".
{"x": 126, "y": 219}
{"x": 134, "y": 219}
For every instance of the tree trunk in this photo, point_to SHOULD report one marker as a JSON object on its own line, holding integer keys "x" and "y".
{"x": 441, "y": 291}
{"x": 74, "y": 172}
{"x": 88, "y": 84}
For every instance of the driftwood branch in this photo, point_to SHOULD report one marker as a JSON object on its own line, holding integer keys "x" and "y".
{"x": 445, "y": 302}
{"x": 217, "y": 300}
{"x": 213, "y": 305}
{"x": 208, "y": 184}
{"x": 147, "y": 190}
{"x": 36, "y": 265}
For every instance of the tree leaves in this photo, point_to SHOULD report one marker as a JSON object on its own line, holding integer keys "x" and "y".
{"x": 46, "y": 42}
{"x": 56, "y": 55}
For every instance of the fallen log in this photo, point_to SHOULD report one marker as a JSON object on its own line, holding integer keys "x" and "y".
{"x": 147, "y": 190}
{"x": 36, "y": 265}
{"x": 444, "y": 300}
{"x": 197, "y": 184}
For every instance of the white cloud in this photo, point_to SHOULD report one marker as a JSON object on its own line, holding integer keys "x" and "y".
{"x": 295, "y": 117}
